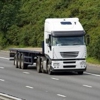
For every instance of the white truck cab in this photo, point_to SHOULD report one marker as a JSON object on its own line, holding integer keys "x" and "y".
{"x": 64, "y": 44}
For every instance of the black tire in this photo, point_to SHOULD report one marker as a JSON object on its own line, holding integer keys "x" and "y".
{"x": 19, "y": 60}
{"x": 22, "y": 64}
{"x": 38, "y": 65}
{"x": 16, "y": 60}
{"x": 80, "y": 73}
{"x": 42, "y": 70}
{"x": 49, "y": 69}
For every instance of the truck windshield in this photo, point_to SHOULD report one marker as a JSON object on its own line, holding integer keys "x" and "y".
{"x": 63, "y": 41}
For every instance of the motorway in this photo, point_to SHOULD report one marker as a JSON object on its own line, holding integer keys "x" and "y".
{"x": 30, "y": 85}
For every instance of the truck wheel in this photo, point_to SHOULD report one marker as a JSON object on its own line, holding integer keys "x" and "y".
{"x": 38, "y": 65}
{"x": 80, "y": 73}
{"x": 23, "y": 65}
{"x": 42, "y": 69}
{"x": 19, "y": 60}
{"x": 49, "y": 70}
{"x": 16, "y": 61}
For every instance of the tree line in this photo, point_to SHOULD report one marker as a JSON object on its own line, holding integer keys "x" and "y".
{"x": 22, "y": 21}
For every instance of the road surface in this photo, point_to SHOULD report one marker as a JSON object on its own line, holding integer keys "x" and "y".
{"x": 30, "y": 85}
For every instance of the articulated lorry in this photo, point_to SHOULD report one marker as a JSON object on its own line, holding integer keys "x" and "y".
{"x": 63, "y": 48}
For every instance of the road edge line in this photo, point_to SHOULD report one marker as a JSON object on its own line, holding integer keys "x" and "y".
{"x": 10, "y": 97}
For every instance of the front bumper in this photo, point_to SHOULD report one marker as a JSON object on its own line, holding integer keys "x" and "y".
{"x": 68, "y": 65}
{"x": 67, "y": 70}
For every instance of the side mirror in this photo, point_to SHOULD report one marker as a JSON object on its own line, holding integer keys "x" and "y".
{"x": 48, "y": 41}
{"x": 48, "y": 38}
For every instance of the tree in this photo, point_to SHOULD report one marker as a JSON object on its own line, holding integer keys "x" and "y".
{"x": 8, "y": 13}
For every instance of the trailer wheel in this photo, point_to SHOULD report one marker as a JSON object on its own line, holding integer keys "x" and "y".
{"x": 23, "y": 65}
{"x": 16, "y": 61}
{"x": 19, "y": 60}
{"x": 38, "y": 65}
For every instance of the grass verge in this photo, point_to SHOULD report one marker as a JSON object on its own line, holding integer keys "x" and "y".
{"x": 93, "y": 60}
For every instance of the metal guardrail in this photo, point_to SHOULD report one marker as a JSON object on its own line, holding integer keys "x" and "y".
{"x": 8, "y": 97}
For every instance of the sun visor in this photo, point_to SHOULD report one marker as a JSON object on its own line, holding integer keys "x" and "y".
{"x": 68, "y": 33}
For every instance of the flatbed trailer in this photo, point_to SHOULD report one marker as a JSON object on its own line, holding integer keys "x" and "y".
{"x": 24, "y": 57}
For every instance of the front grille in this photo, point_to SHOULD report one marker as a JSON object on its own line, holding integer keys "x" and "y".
{"x": 69, "y": 64}
{"x": 69, "y": 54}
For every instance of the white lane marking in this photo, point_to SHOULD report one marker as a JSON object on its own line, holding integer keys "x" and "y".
{"x": 10, "y": 97}
{"x": 26, "y": 72}
{"x": 92, "y": 74}
{"x": 1, "y": 67}
{"x": 88, "y": 86}
{"x": 4, "y": 58}
{"x": 54, "y": 78}
{"x": 2, "y": 80}
{"x": 60, "y": 95}
{"x": 29, "y": 87}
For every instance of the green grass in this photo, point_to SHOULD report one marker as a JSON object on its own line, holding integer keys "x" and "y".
{"x": 93, "y": 60}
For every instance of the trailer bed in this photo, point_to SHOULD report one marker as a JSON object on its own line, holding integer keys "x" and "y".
{"x": 25, "y": 56}
{"x": 25, "y": 50}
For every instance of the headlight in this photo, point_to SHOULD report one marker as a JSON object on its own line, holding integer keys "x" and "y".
{"x": 56, "y": 65}
{"x": 83, "y": 64}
